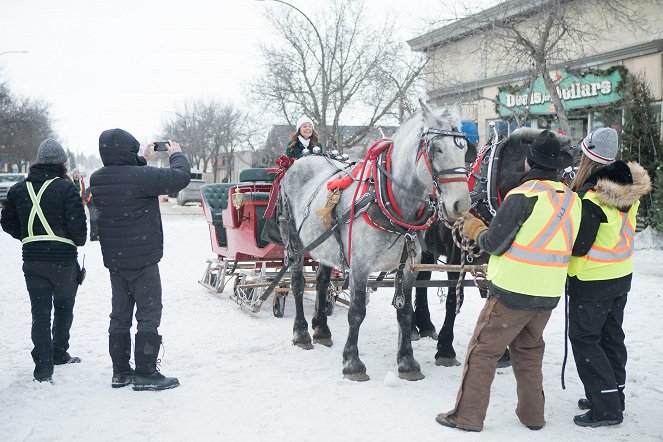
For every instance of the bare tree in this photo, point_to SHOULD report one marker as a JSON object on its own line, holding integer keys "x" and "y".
{"x": 211, "y": 131}
{"x": 336, "y": 70}
{"x": 24, "y": 124}
{"x": 529, "y": 38}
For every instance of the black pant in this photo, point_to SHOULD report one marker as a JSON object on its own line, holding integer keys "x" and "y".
{"x": 597, "y": 339}
{"x": 137, "y": 287}
{"x": 94, "y": 235}
{"x": 54, "y": 285}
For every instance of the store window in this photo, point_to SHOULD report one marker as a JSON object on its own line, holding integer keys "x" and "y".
{"x": 504, "y": 128}
{"x": 611, "y": 119}
{"x": 550, "y": 122}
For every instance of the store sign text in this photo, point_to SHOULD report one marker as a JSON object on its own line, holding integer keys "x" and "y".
{"x": 575, "y": 92}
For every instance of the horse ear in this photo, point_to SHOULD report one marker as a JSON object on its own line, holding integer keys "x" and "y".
{"x": 427, "y": 115}
{"x": 457, "y": 111}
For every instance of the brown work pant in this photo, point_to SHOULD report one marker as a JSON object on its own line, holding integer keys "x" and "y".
{"x": 499, "y": 326}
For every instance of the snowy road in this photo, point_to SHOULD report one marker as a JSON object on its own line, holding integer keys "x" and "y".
{"x": 242, "y": 380}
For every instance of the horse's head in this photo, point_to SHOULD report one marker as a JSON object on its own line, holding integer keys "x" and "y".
{"x": 442, "y": 148}
{"x": 513, "y": 154}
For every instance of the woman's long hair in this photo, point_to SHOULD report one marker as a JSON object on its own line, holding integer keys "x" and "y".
{"x": 585, "y": 169}
{"x": 59, "y": 169}
{"x": 313, "y": 141}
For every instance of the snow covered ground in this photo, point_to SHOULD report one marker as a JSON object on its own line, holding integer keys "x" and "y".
{"x": 242, "y": 380}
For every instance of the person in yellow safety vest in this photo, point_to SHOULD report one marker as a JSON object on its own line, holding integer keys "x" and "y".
{"x": 79, "y": 182}
{"x": 46, "y": 213}
{"x": 529, "y": 242}
{"x": 600, "y": 274}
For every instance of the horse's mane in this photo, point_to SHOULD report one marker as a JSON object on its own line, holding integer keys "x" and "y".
{"x": 441, "y": 114}
{"x": 514, "y": 151}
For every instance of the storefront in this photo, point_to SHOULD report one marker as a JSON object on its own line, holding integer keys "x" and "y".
{"x": 591, "y": 97}
{"x": 591, "y": 88}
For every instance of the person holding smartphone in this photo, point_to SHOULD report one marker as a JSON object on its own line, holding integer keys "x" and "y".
{"x": 126, "y": 193}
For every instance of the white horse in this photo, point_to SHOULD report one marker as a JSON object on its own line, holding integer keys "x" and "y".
{"x": 426, "y": 162}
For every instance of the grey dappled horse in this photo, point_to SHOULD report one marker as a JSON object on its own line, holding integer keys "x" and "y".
{"x": 372, "y": 249}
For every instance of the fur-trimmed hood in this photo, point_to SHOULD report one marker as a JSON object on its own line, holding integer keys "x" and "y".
{"x": 623, "y": 195}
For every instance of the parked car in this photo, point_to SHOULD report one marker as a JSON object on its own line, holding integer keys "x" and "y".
{"x": 7, "y": 180}
{"x": 191, "y": 193}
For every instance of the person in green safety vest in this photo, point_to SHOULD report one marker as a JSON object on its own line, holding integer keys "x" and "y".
{"x": 46, "y": 213}
{"x": 600, "y": 274}
{"x": 529, "y": 242}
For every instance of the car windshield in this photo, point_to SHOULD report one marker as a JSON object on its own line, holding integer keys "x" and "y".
{"x": 10, "y": 177}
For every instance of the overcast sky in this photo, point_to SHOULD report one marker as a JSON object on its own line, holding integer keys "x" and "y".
{"x": 126, "y": 63}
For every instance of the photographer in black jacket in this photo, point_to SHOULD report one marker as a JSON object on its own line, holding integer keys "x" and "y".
{"x": 126, "y": 193}
{"x": 46, "y": 213}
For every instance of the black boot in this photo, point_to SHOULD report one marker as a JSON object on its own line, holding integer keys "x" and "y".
{"x": 584, "y": 404}
{"x": 65, "y": 358}
{"x": 119, "y": 347}
{"x": 147, "y": 375}
{"x": 588, "y": 420}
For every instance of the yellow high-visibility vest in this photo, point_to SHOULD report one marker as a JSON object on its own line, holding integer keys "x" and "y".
{"x": 36, "y": 211}
{"x": 611, "y": 255}
{"x": 537, "y": 261}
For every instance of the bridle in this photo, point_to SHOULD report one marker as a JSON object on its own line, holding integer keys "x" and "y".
{"x": 425, "y": 151}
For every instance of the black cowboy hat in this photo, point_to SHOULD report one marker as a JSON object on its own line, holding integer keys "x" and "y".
{"x": 546, "y": 150}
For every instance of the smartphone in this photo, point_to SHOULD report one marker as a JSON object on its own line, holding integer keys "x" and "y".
{"x": 160, "y": 146}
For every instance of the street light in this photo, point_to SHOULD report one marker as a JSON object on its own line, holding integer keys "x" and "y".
{"x": 322, "y": 56}
{"x": 13, "y": 52}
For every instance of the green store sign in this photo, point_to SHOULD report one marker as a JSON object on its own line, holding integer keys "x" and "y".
{"x": 575, "y": 92}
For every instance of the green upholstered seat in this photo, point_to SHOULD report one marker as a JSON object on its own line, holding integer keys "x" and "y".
{"x": 249, "y": 175}
{"x": 216, "y": 198}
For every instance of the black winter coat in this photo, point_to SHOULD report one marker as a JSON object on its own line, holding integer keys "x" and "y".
{"x": 126, "y": 194}
{"x": 62, "y": 207}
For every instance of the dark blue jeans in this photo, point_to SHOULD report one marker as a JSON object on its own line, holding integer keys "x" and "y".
{"x": 52, "y": 286}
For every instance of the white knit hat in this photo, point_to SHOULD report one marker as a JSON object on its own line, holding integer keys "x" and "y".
{"x": 601, "y": 145}
{"x": 303, "y": 119}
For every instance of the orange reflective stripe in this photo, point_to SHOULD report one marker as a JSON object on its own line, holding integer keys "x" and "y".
{"x": 621, "y": 251}
{"x": 535, "y": 251}
{"x": 563, "y": 207}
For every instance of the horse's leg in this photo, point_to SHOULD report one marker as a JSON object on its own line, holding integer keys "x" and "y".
{"x": 446, "y": 355}
{"x": 421, "y": 320}
{"x": 408, "y": 367}
{"x": 505, "y": 360}
{"x": 353, "y": 368}
{"x": 321, "y": 332}
{"x": 301, "y": 337}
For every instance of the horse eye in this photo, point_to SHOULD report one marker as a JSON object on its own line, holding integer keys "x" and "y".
{"x": 460, "y": 142}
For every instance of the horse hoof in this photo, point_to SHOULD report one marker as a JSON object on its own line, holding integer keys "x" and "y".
{"x": 504, "y": 364}
{"x": 414, "y": 336}
{"x": 303, "y": 345}
{"x": 357, "y": 377}
{"x": 411, "y": 375}
{"x": 327, "y": 342}
{"x": 430, "y": 333}
{"x": 447, "y": 362}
